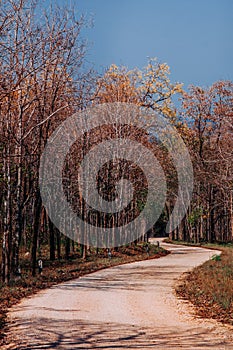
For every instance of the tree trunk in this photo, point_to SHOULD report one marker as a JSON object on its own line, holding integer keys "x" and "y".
{"x": 51, "y": 240}
{"x": 58, "y": 237}
{"x": 67, "y": 247}
{"x": 6, "y": 245}
{"x": 36, "y": 226}
{"x": 231, "y": 214}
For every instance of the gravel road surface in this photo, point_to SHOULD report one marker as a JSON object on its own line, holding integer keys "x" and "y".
{"x": 131, "y": 306}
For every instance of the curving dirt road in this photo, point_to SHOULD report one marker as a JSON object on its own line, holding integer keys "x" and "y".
{"x": 132, "y": 306}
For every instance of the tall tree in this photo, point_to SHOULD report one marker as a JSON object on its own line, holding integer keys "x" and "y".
{"x": 208, "y": 113}
{"x": 42, "y": 82}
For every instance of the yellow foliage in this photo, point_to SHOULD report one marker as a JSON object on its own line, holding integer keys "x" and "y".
{"x": 149, "y": 87}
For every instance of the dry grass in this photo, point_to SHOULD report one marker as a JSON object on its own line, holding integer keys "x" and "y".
{"x": 210, "y": 287}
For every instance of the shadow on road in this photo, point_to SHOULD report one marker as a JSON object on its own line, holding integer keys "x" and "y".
{"x": 93, "y": 335}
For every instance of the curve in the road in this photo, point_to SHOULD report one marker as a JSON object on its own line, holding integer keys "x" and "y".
{"x": 131, "y": 306}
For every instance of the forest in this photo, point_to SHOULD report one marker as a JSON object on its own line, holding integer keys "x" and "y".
{"x": 45, "y": 79}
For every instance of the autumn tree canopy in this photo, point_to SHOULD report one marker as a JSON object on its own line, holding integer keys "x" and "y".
{"x": 150, "y": 87}
{"x": 43, "y": 81}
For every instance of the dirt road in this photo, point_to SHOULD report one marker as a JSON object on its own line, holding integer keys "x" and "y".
{"x": 132, "y": 306}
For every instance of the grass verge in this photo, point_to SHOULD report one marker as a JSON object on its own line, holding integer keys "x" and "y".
{"x": 210, "y": 286}
{"x": 60, "y": 271}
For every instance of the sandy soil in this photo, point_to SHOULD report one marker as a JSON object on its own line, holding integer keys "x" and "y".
{"x": 132, "y": 306}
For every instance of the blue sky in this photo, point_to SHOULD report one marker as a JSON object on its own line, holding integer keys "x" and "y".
{"x": 194, "y": 37}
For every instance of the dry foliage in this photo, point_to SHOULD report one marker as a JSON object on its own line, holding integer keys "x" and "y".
{"x": 210, "y": 287}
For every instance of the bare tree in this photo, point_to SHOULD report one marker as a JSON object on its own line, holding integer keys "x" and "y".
{"x": 42, "y": 82}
